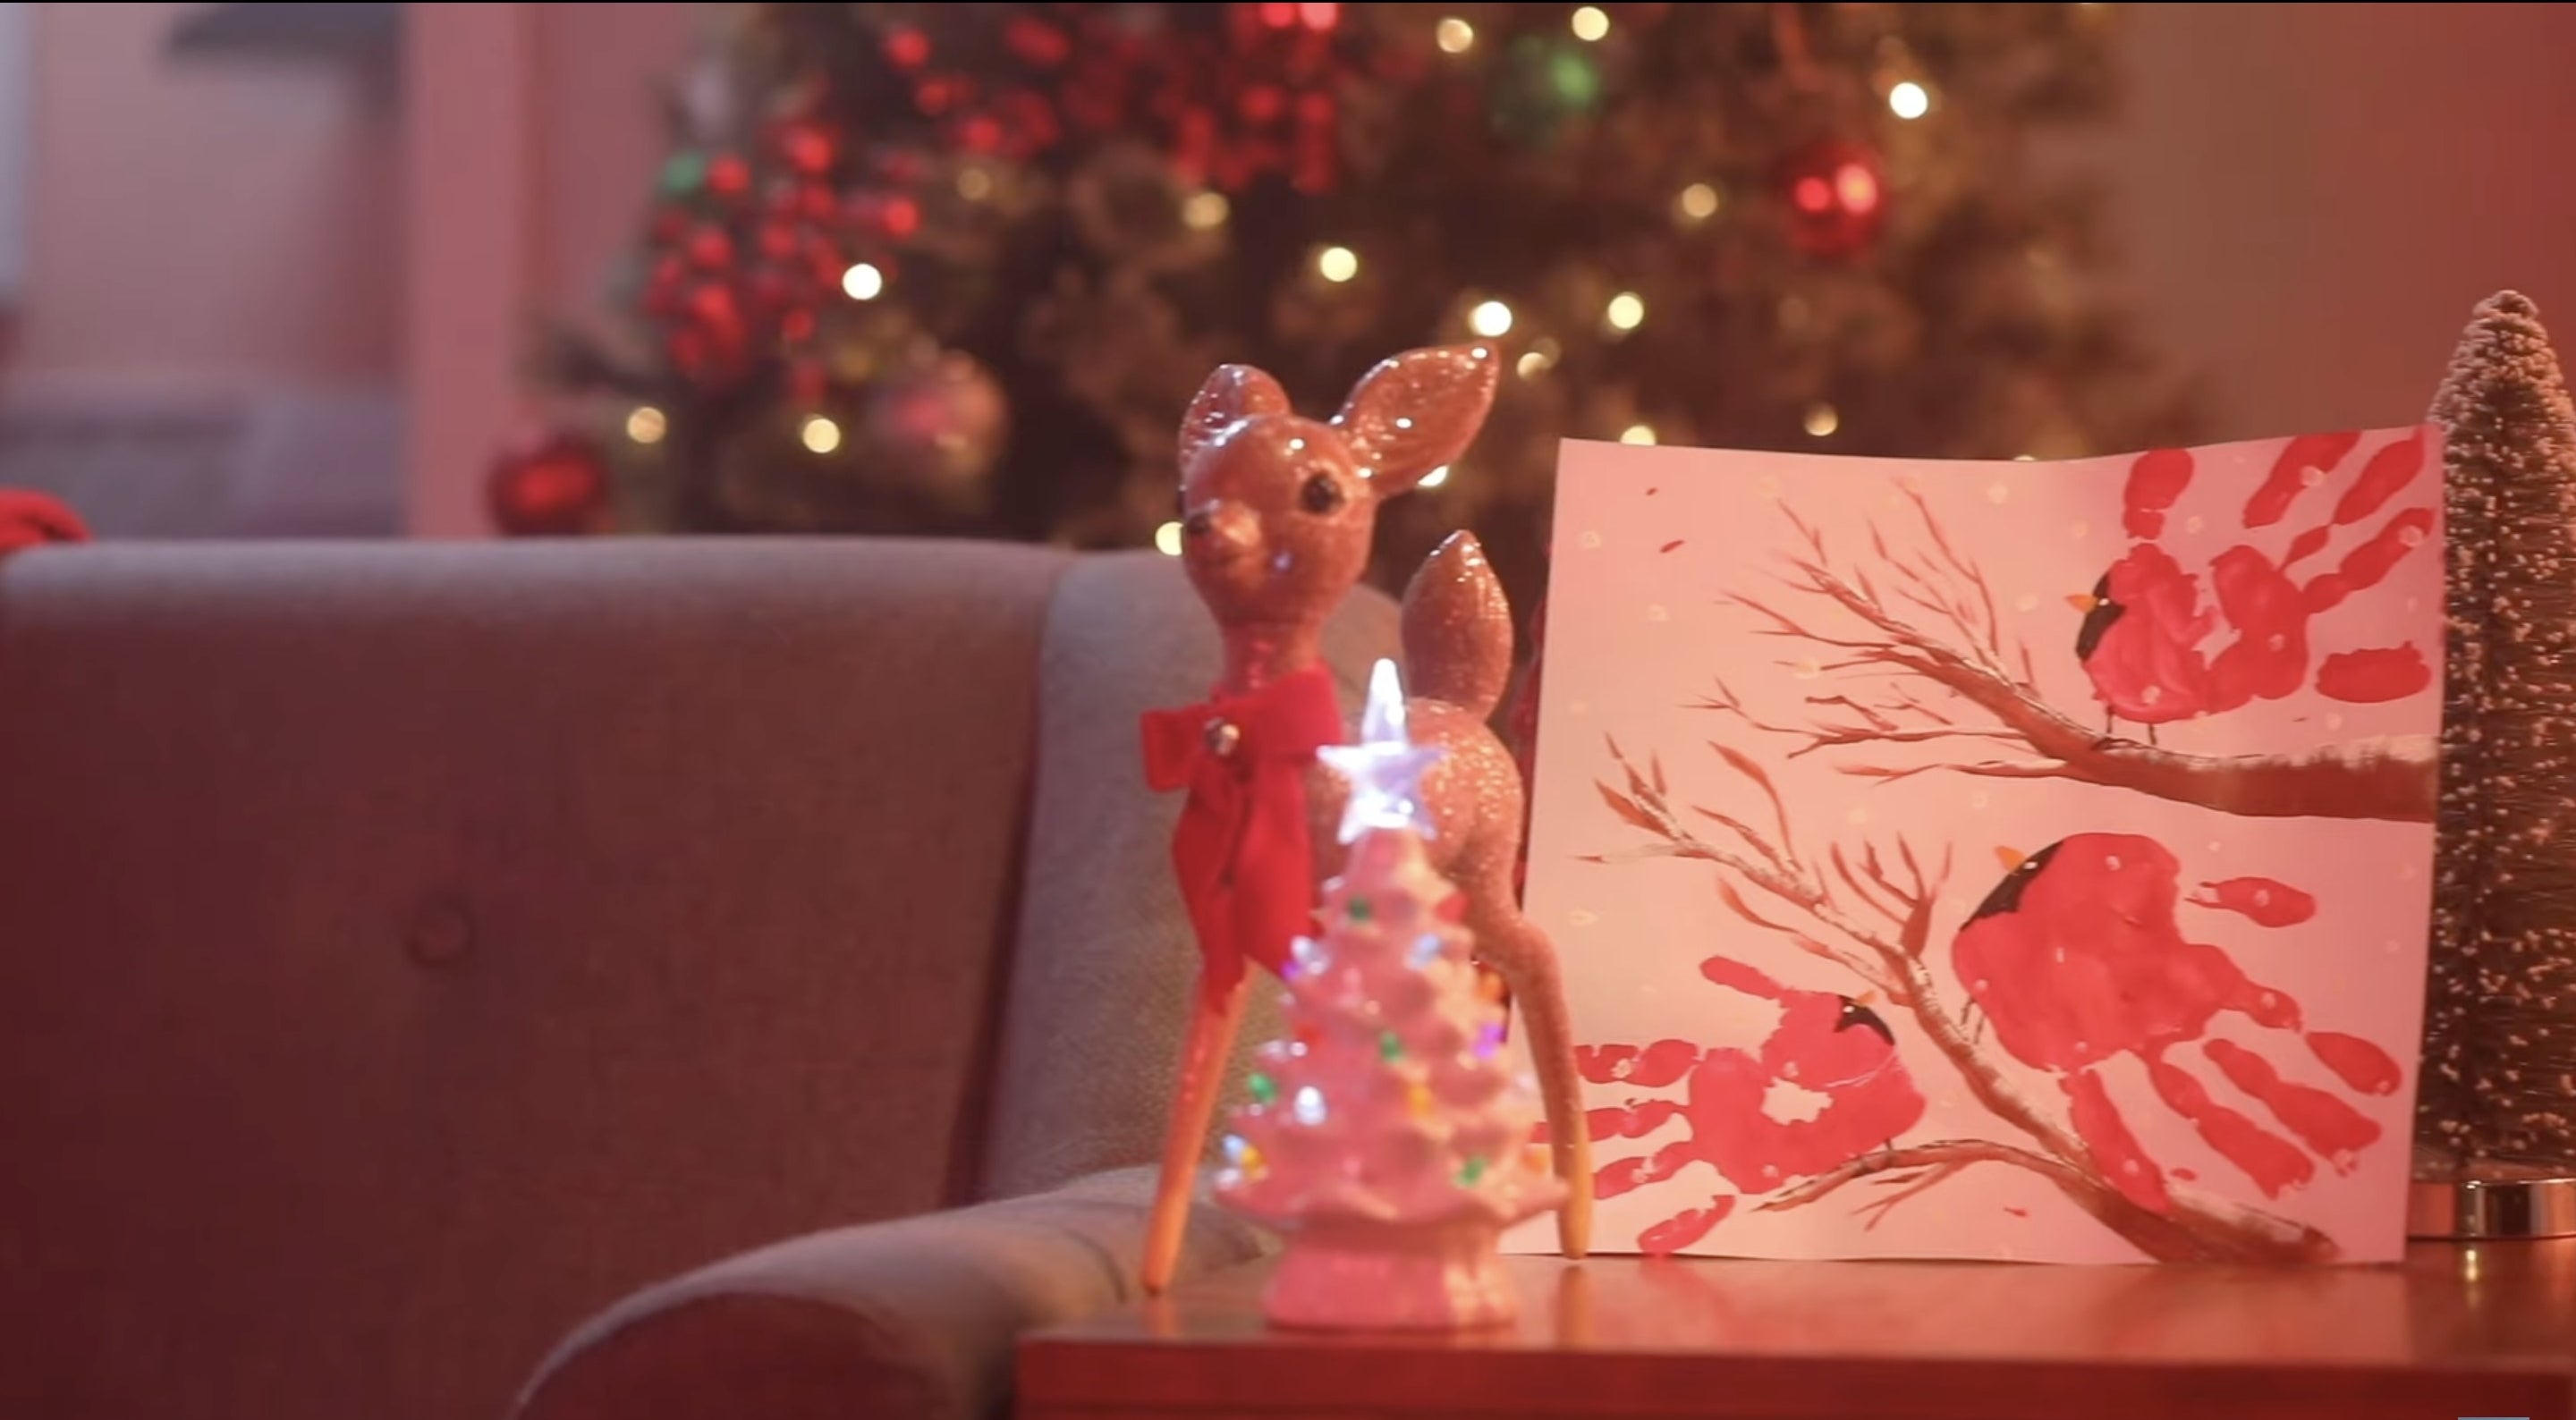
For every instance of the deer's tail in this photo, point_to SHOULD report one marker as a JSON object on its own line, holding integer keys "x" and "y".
{"x": 1457, "y": 629}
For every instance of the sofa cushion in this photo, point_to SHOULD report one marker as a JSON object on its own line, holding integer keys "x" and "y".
{"x": 407, "y": 949}
{"x": 1099, "y": 989}
{"x": 919, "y": 1319}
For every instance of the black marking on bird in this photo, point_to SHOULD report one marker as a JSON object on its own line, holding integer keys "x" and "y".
{"x": 1856, "y": 1014}
{"x": 2097, "y": 622}
{"x": 2007, "y": 894}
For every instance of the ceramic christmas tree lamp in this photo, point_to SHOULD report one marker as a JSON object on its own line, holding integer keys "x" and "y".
{"x": 1387, "y": 1137}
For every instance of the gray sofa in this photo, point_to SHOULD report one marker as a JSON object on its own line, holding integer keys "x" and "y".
{"x": 423, "y": 966}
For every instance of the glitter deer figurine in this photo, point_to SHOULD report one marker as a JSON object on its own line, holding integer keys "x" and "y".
{"x": 1277, "y": 514}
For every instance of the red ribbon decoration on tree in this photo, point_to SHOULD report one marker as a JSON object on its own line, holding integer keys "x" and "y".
{"x": 1242, "y": 855}
{"x": 33, "y": 519}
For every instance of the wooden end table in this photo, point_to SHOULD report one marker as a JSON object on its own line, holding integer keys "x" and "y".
{"x": 2454, "y": 1331}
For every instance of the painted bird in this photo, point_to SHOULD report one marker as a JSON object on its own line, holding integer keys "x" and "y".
{"x": 2077, "y": 957}
{"x": 2140, "y": 639}
{"x": 1832, "y": 1053}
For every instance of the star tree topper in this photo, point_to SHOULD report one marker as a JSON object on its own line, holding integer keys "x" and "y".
{"x": 1385, "y": 768}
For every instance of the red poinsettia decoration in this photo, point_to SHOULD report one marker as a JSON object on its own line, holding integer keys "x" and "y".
{"x": 30, "y": 519}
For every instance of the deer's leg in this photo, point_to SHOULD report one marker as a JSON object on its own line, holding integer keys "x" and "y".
{"x": 1203, "y": 1053}
{"x": 1527, "y": 960}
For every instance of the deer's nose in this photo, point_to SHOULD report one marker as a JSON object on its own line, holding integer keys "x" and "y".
{"x": 1221, "y": 525}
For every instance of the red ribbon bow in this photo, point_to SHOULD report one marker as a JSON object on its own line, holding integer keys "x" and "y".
{"x": 1245, "y": 863}
{"x": 33, "y": 519}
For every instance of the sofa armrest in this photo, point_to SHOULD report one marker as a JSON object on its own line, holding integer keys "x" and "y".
{"x": 917, "y": 1319}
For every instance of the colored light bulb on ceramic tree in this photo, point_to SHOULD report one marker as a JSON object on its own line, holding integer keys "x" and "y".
{"x": 1387, "y": 1135}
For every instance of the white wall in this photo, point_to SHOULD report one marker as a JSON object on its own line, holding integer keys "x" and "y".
{"x": 533, "y": 136}
{"x": 226, "y": 221}
{"x": 2313, "y": 196}
{"x": 17, "y": 122}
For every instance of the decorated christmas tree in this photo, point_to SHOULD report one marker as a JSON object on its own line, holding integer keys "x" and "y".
{"x": 1387, "y": 1135}
{"x": 954, "y": 268}
{"x": 2500, "y": 1026}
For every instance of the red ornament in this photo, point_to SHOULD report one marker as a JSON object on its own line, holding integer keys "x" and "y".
{"x": 1037, "y": 43}
{"x": 557, "y": 486}
{"x": 729, "y": 177}
{"x": 981, "y": 133}
{"x": 1836, "y": 193}
{"x": 778, "y": 240}
{"x": 907, "y": 48}
{"x": 710, "y": 249}
{"x": 663, "y": 291}
{"x": 808, "y": 147}
{"x": 899, "y": 217}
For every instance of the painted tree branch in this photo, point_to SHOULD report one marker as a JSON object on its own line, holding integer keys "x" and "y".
{"x": 2197, "y": 1228}
{"x": 2392, "y": 779}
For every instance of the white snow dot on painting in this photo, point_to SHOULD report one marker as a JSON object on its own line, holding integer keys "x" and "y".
{"x": 2081, "y": 531}
{"x": 1658, "y": 613}
{"x": 2027, "y": 601}
{"x": 1588, "y": 541}
{"x": 1998, "y": 493}
{"x": 1581, "y": 917}
{"x": 2194, "y": 523}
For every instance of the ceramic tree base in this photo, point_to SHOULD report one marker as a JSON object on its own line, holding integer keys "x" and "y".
{"x": 1385, "y": 1277}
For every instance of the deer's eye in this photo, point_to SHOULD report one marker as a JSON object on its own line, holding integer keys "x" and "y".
{"x": 1320, "y": 495}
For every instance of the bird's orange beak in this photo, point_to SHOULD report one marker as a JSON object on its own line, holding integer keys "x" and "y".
{"x": 2084, "y": 601}
{"x": 1866, "y": 998}
{"x": 2011, "y": 858}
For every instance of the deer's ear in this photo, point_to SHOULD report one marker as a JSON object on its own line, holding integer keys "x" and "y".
{"x": 1234, "y": 392}
{"x": 1417, "y": 411}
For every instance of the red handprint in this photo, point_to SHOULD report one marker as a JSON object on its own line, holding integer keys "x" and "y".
{"x": 2144, "y": 622}
{"x": 2077, "y": 957}
{"x": 1832, "y": 1045}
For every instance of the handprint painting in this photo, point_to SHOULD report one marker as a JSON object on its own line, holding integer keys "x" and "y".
{"x": 1998, "y": 860}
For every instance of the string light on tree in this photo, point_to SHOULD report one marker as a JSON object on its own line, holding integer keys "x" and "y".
{"x": 862, "y": 282}
{"x": 1454, "y": 35}
{"x": 819, "y": 434}
{"x": 1821, "y": 420}
{"x": 1167, "y": 539}
{"x": 1337, "y": 264}
{"x": 1696, "y": 203}
{"x": 646, "y": 424}
{"x": 1590, "y": 23}
{"x": 1538, "y": 359}
{"x": 1490, "y": 319}
{"x": 1626, "y": 311}
{"x": 974, "y": 184}
{"x": 1205, "y": 211}
{"x": 1637, "y": 434}
{"x": 1909, "y": 100}
{"x": 1434, "y": 478}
